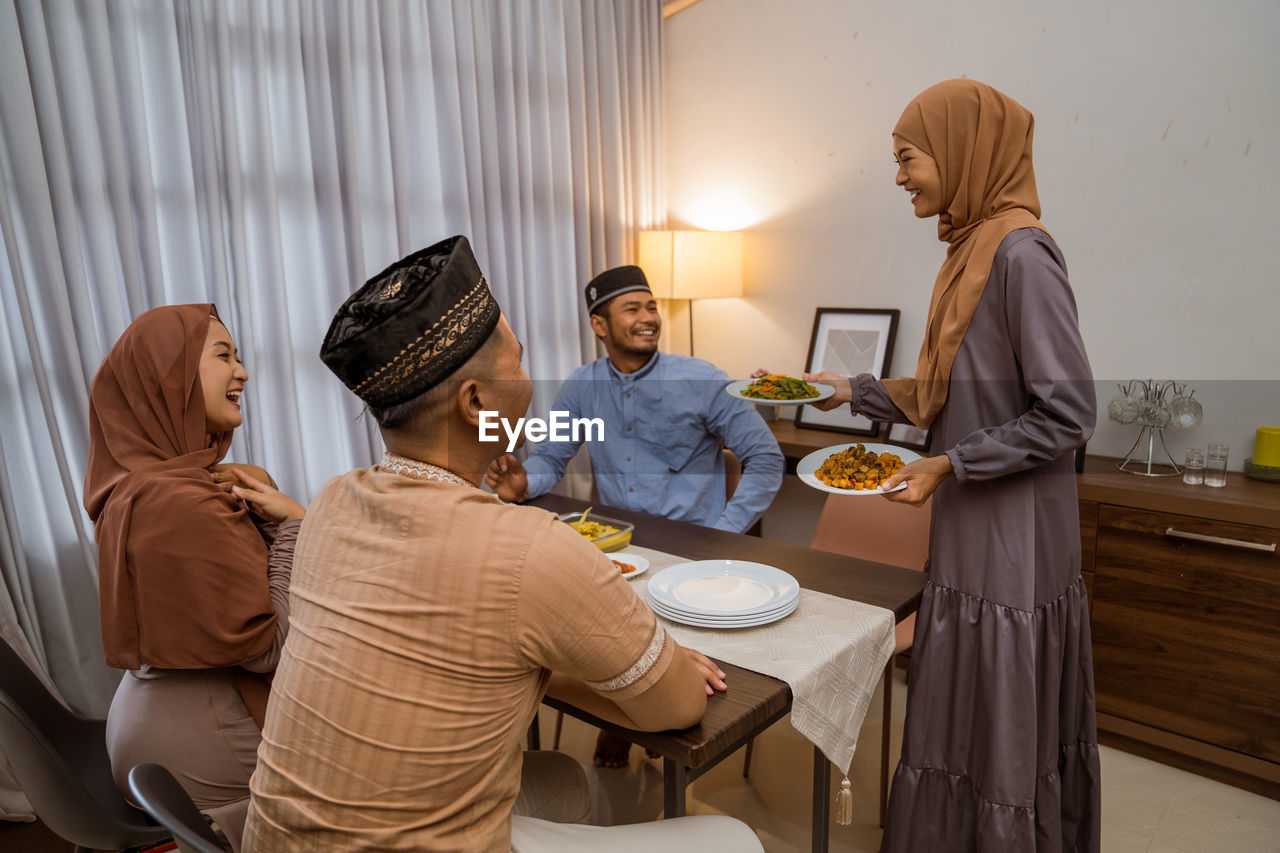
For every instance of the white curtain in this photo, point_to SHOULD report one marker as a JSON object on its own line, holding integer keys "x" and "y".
{"x": 270, "y": 156}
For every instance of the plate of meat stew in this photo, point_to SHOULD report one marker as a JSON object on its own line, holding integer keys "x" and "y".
{"x": 854, "y": 469}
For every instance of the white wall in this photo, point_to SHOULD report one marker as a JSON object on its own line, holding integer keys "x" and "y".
{"x": 1157, "y": 158}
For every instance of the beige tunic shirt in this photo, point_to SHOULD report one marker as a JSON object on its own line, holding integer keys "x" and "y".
{"x": 426, "y": 618}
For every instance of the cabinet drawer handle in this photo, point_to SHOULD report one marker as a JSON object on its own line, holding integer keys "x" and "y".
{"x": 1220, "y": 540}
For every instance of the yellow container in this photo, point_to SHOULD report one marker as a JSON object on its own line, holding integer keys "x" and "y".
{"x": 1266, "y": 448}
{"x": 610, "y": 540}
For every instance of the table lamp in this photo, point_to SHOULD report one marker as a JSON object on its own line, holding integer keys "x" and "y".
{"x": 692, "y": 265}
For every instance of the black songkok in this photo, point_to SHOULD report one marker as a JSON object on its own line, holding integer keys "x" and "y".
{"x": 411, "y": 325}
{"x": 610, "y": 283}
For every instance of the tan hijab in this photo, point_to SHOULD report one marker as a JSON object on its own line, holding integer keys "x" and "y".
{"x": 981, "y": 139}
{"x": 182, "y": 569}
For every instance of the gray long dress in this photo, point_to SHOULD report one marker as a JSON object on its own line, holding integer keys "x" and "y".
{"x": 1000, "y": 748}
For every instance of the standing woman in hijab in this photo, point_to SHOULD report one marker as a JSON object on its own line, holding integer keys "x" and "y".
{"x": 193, "y": 561}
{"x": 1000, "y": 746}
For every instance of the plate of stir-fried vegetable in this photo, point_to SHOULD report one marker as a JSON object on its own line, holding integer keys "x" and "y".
{"x": 775, "y": 389}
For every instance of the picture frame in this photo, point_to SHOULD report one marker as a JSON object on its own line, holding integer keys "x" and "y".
{"x": 848, "y": 341}
{"x": 908, "y": 436}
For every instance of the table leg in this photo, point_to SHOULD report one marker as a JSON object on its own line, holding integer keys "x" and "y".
{"x": 821, "y": 801}
{"x": 674, "y": 782}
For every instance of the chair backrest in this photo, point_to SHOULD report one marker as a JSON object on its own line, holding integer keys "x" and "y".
{"x": 872, "y": 528}
{"x": 732, "y": 473}
{"x": 165, "y": 800}
{"x": 61, "y": 763}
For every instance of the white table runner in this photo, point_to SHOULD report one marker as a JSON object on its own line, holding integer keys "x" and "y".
{"x": 831, "y": 651}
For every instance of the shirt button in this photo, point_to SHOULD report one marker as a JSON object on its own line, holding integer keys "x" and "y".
{"x": 628, "y": 396}
{"x": 628, "y": 458}
{"x": 630, "y": 490}
{"x": 628, "y": 429}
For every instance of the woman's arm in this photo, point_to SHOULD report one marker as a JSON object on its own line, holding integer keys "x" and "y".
{"x": 264, "y": 499}
{"x": 1053, "y": 369}
{"x": 864, "y": 393}
{"x": 279, "y": 572}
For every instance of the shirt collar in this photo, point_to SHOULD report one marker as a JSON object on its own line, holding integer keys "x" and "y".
{"x": 639, "y": 374}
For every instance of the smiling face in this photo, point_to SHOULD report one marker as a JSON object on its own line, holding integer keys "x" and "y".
{"x": 222, "y": 379}
{"x": 918, "y": 174}
{"x": 629, "y": 325}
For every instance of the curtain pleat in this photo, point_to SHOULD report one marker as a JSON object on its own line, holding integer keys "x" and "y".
{"x": 270, "y": 156}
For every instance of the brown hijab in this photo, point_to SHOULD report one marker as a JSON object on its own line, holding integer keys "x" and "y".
{"x": 182, "y": 569}
{"x": 981, "y": 139}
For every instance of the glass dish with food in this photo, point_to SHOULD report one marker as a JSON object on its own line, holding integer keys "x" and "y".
{"x": 607, "y": 534}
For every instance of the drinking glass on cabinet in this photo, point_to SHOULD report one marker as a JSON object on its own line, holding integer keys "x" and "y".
{"x": 1215, "y": 465}
{"x": 1193, "y": 468}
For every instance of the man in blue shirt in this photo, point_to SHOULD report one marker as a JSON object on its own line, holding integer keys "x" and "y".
{"x": 666, "y": 420}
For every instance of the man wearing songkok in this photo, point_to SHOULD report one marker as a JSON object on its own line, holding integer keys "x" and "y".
{"x": 666, "y": 420}
{"x": 430, "y": 618}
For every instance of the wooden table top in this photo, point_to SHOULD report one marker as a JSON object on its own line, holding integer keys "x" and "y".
{"x": 890, "y": 587}
{"x": 753, "y": 700}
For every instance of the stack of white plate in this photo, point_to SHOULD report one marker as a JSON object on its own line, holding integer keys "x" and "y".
{"x": 723, "y": 594}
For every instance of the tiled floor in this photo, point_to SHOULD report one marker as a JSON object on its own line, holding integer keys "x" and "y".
{"x": 1147, "y": 807}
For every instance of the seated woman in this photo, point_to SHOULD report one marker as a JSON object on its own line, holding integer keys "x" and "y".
{"x": 194, "y": 559}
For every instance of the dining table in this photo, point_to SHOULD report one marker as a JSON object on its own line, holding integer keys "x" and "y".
{"x": 754, "y": 701}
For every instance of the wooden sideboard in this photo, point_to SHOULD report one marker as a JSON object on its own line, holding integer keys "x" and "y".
{"x": 798, "y": 442}
{"x": 1184, "y": 586}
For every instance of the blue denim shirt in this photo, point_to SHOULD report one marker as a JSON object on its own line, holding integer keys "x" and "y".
{"x": 664, "y": 428}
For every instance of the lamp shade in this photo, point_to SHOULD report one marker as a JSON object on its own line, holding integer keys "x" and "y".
{"x": 692, "y": 264}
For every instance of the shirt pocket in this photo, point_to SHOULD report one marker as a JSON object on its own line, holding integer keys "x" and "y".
{"x": 676, "y": 444}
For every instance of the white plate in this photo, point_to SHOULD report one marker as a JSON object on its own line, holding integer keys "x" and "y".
{"x": 641, "y": 563}
{"x": 658, "y": 605}
{"x": 735, "y": 389}
{"x": 806, "y": 467}
{"x": 746, "y": 622}
{"x": 721, "y": 588}
{"x": 726, "y": 621}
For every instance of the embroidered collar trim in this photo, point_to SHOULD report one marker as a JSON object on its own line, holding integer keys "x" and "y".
{"x": 416, "y": 470}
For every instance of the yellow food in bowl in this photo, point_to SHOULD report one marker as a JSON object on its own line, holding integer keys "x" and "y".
{"x": 606, "y": 537}
{"x": 592, "y": 529}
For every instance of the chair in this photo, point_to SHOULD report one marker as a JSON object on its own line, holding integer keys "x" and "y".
{"x": 166, "y": 801}
{"x": 732, "y": 477}
{"x": 60, "y": 761}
